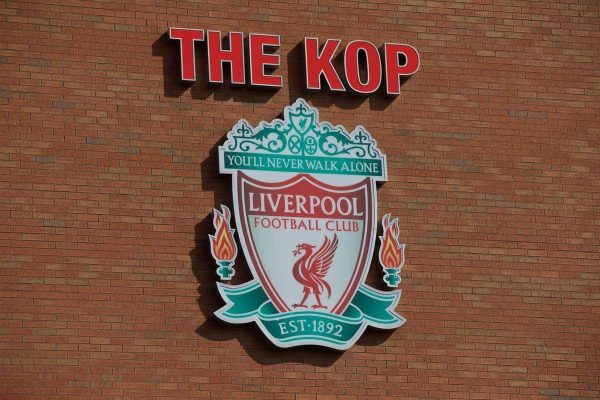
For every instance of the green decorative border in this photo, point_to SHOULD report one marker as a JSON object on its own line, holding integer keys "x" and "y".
{"x": 314, "y": 146}
{"x": 248, "y": 302}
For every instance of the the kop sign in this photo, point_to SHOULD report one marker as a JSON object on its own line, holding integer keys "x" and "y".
{"x": 254, "y": 60}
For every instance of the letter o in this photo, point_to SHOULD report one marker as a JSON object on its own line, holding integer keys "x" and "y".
{"x": 352, "y": 70}
{"x": 324, "y": 201}
{"x": 348, "y": 206}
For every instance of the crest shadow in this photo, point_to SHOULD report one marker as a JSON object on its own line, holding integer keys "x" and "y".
{"x": 174, "y": 87}
{"x": 249, "y": 336}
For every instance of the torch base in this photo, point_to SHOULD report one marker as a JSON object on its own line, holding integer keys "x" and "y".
{"x": 225, "y": 270}
{"x": 391, "y": 278}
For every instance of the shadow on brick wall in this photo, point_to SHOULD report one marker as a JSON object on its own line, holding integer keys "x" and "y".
{"x": 325, "y": 98}
{"x": 251, "y": 339}
{"x": 174, "y": 87}
{"x": 249, "y": 335}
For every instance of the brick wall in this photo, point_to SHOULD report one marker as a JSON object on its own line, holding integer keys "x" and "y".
{"x": 109, "y": 173}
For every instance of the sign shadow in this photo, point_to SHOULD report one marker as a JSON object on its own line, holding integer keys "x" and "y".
{"x": 174, "y": 87}
{"x": 325, "y": 98}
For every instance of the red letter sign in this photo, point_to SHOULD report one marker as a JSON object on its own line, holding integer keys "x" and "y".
{"x": 217, "y": 57}
{"x": 373, "y": 66}
{"x": 393, "y": 70}
{"x": 319, "y": 64}
{"x": 187, "y": 38}
{"x": 258, "y": 60}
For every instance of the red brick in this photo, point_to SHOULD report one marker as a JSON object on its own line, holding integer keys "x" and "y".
{"x": 108, "y": 172}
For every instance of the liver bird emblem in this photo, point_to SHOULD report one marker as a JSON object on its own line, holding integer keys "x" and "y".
{"x": 312, "y": 267}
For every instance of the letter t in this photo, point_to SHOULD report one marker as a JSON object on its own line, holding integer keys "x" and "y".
{"x": 187, "y": 38}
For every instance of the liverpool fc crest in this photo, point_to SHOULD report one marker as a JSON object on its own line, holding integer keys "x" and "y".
{"x": 305, "y": 210}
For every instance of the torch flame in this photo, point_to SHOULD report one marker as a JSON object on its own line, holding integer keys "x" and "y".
{"x": 222, "y": 244}
{"x": 391, "y": 252}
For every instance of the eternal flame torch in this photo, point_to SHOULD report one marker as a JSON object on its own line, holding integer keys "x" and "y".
{"x": 391, "y": 252}
{"x": 222, "y": 244}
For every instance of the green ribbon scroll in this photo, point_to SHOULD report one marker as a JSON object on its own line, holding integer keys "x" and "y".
{"x": 369, "y": 307}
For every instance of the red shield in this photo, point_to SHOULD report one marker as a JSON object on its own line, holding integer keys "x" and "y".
{"x": 309, "y": 242}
